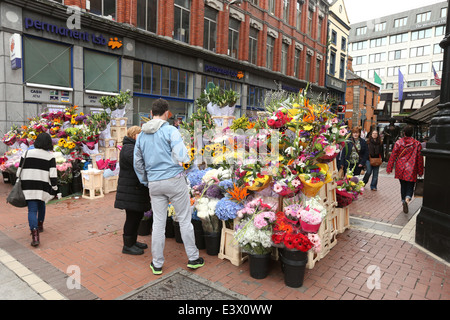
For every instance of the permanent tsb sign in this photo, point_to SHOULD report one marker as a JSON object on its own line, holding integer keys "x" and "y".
{"x": 113, "y": 43}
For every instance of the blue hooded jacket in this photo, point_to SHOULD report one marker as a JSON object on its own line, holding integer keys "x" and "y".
{"x": 158, "y": 152}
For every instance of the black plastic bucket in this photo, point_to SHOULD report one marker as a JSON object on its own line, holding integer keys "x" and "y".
{"x": 259, "y": 265}
{"x": 212, "y": 243}
{"x": 198, "y": 231}
{"x": 293, "y": 264}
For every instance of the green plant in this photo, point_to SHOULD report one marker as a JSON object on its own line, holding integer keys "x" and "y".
{"x": 116, "y": 102}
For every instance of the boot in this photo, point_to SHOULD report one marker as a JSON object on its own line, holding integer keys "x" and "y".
{"x": 41, "y": 226}
{"x": 35, "y": 237}
{"x": 141, "y": 245}
{"x": 129, "y": 246}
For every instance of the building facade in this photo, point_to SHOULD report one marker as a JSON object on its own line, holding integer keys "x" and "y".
{"x": 71, "y": 52}
{"x": 338, "y": 32}
{"x": 403, "y": 44}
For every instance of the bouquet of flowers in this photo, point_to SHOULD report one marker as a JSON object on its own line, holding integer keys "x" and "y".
{"x": 313, "y": 178}
{"x": 206, "y": 213}
{"x": 64, "y": 171}
{"x": 312, "y": 215}
{"x": 348, "y": 189}
{"x": 287, "y": 182}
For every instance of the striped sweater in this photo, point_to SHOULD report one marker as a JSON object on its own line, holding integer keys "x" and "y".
{"x": 39, "y": 176}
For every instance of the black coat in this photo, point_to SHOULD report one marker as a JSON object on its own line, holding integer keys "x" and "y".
{"x": 130, "y": 194}
{"x": 347, "y": 151}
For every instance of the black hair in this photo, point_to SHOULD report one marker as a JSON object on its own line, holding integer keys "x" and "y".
{"x": 44, "y": 141}
{"x": 159, "y": 107}
{"x": 409, "y": 130}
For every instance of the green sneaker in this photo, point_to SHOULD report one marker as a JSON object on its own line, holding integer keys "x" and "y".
{"x": 155, "y": 270}
{"x": 196, "y": 263}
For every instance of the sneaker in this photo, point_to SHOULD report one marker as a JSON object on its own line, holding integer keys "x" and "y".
{"x": 196, "y": 263}
{"x": 405, "y": 207}
{"x": 155, "y": 270}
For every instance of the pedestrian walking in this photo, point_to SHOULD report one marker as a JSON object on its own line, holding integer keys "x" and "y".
{"x": 355, "y": 153}
{"x": 408, "y": 161}
{"x": 375, "y": 149}
{"x": 131, "y": 195}
{"x": 39, "y": 182}
{"x": 158, "y": 158}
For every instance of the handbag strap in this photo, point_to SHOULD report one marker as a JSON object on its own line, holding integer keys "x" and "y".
{"x": 23, "y": 164}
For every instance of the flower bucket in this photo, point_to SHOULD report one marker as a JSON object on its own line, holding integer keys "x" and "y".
{"x": 198, "y": 232}
{"x": 259, "y": 265}
{"x": 6, "y": 177}
{"x": 343, "y": 198}
{"x": 12, "y": 178}
{"x": 309, "y": 227}
{"x": 293, "y": 265}
{"x": 212, "y": 242}
{"x": 64, "y": 189}
{"x": 145, "y": 227}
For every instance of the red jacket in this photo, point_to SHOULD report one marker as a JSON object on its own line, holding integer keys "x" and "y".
{"x": 408, "y": 159}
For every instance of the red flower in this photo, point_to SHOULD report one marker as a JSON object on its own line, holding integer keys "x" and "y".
{"x": 271, "y": 122}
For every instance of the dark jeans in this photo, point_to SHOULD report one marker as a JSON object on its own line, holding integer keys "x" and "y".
{"x": 374, "y": 171}
{"x": 36, "y": 212}
{"x": 132, "y": 221}
{"x": 406, "y": 189}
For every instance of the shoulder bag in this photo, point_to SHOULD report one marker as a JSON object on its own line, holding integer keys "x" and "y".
{"x": 375, "y": 162}
{"x": 16, "y": 196}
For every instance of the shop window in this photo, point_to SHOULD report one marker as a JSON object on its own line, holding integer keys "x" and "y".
{"x": 156, "y": 79}
{"x": 147, "y": 13}
{"x": 137, "y": 76}
{"x": 47, "y": 62}
{"x": 101, "y": 71}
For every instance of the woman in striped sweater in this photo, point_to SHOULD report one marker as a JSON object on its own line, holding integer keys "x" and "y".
{"x": 39, "y": 182}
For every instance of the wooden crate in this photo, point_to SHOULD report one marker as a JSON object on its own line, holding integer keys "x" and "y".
{"x": 110, "y": 184}
{"x": 96, "y": 157}
{"x": 343, "y": 219}
{"x": 107, "y": 143}
{"x": 110, "y": 153}
{"x": 118, "y": 133}
{"x": 119, "y": 122}
{"x": 229, "y": 249}
{"x": 92, "y": 181}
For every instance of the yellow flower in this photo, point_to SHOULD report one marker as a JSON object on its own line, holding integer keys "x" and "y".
{"x": 66, "y": 145}
{"x": 34, "y": 137}
{"x": 307, "y": 127}
{"x": 71, "y": 145}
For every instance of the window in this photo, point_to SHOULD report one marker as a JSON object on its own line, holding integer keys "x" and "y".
{"x": 360, "y": 60}
{"x": 286, "y": 7}
{"x": 418, "y": 68}
{"x": 361, "y": 31}
{"x": 397, "y": 54}
{"x": 182, "y": 20}
{"x": 343, "y": 44}
{"x": 439, "y": 31}
{"x": 443, "y": 12}
{"x": 419, "y": 51}
{"x": 438, "y": 65}
{"x": 147, "y": 12}
{"x": 437, "y": 49}
{"x": 233, "y": 38}
{"x": 310, "y": 21}
{"x": 378, "y": 42}
{"x": 296, "y": 63}
{"x": 210, "y": 29}
{"x": 377, "y": 57}
{"x": 399, "y": 38}
{"x": 380, "y": 26}
{"x": 255, "y": 2}
{"x": 284, "y": 57}
{"x": 359, "y": 45}
{"x": 393, "y": 71}
{"x": 256, "y": 97}
{"x": 362, "y": 74}
{"x": 332, "y": 63}
{"x": 378, "y": 71}
{"x": 272, "y": 6}
{"x": 389, "y": 85}
{"x": 417, "y": 83}
{"x": 333, "y": 37}
{"x": 298, "y": 20}
{"x": 253, "y": 46}
{"x": 319, "y": 30}
{"x": 421, "y": 34}
{"x": 104, "y": 8}
{"x": 269, "y": 52}
{"x": 47, "y": 62}
{"x": 101, "y": 71}
{"x": 317, "y": 70}
{"x": 400, "y": 22}
{"x": 307, "y": 67}
{"x": 422, "y": 17}
{"x": 341, "y": 68}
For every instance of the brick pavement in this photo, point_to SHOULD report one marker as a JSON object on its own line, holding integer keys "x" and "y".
{"x": 88, "y": 234}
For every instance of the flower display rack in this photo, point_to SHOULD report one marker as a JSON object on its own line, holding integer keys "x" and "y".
{"x": 109, "y": 152}
{"x": 92, "y": 181}
{"x": 228, "y": 249}
{"x": 107, "y": 143}
{"x": 118, "y": 133}
{"x": 110, "y": 184}
{"x": 119, "y": 122}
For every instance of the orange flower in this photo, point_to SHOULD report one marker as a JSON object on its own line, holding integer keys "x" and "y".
{"x": 237, "y": 193}
{"x": 250, "y": 125}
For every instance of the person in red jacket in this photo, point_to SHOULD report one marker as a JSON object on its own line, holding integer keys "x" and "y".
{"x": 408, "y": 160}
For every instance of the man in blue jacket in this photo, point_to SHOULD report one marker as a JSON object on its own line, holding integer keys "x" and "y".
{"x": 158, "y": 155}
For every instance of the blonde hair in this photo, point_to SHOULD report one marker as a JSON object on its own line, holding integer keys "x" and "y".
{"x": 133, "y": 131}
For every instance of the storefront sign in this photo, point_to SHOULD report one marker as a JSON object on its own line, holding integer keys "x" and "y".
{"x": 15, "y": 51}
{"x": 113, "y": 43}
{"x": 227, "y": 72}
{"x": 47, "y": 95}
{"x": 93, "y": 100}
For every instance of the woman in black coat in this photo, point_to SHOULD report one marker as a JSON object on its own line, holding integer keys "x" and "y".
{"x": 355, "y": 153}
{"x": 131, "y": 195}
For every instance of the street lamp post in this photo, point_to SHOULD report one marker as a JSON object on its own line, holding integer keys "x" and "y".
{"x": 433, "y": 220}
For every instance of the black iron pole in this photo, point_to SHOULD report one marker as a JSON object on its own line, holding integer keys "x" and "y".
{"x": 433, "y": 220}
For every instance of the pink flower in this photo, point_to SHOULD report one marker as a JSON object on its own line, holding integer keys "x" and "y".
{"x": 330, "y": 150}
{"x": 343, "y": 132}
{"x": 277, "y": 188}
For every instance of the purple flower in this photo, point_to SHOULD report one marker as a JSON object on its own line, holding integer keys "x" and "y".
{"x": 214, "y": 191}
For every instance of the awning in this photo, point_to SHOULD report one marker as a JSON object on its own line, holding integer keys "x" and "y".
{"x": 395, "y": 107}
{"x": 380, "y": 105}
{"x": 417, "y": 103}
{"x": 407, "y": 104}
{"x": 424, "y": 114}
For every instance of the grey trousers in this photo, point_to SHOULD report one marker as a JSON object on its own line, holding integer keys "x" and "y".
{"x": 176, "y": 191}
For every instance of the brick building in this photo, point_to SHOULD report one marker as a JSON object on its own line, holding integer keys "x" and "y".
{"x": 168, "y": 49}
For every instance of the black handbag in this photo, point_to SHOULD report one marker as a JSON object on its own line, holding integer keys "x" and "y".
{"x": 418, "y": 191}
{"x": 16, "y": 196}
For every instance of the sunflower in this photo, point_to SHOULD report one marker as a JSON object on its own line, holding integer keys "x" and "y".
{"x": 193, "y": 151}
{"x": 61, "y": 142}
